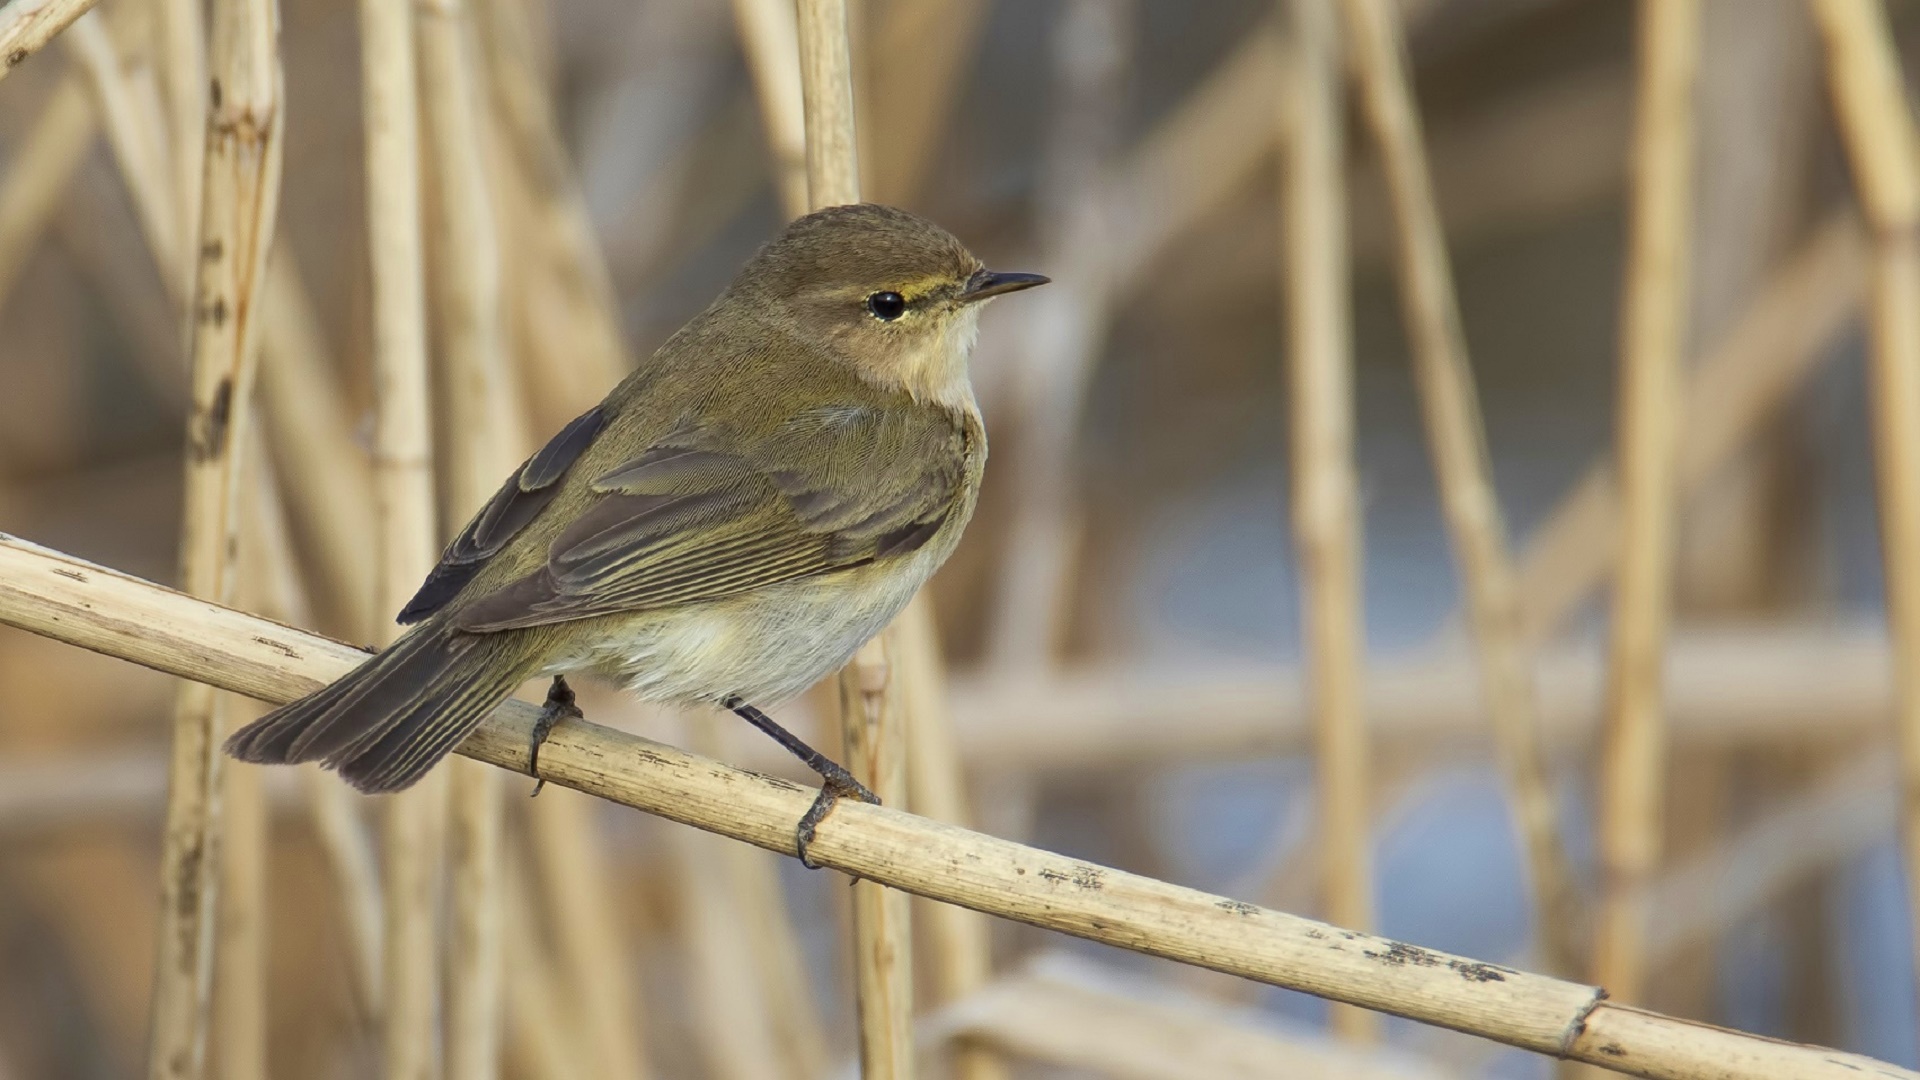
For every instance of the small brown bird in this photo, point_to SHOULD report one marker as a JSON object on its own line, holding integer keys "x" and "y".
{"x": 733, "y": 522}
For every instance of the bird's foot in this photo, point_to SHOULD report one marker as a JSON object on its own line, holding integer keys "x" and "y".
{"x": 559, "y": 706}
{"x": 836, "y": 783}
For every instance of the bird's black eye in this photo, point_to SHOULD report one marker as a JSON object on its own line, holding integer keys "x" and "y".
{"x": 887, "y": 306}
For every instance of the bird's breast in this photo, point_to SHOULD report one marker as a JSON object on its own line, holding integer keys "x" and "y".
{"x": 766, "y": 646}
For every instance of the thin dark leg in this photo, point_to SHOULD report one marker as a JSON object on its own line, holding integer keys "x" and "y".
{"x": 836, "y": 781}
{"x": 560, "y": 706}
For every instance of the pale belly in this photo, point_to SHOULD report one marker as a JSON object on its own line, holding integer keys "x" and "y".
{"x": 766, "y": 647}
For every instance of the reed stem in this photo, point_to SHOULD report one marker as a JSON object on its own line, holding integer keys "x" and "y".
{"x": 1653, "y": 340}
{"x": 1326, "y": 521}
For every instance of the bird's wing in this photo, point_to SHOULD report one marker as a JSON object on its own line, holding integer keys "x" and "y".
{"x": 527, "y": 492}
{"x": 704, "y": 514}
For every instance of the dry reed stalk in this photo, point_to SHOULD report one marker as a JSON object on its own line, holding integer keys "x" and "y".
{"x": 1731, "y": 392}
{"x": 1737, "y": 686}
{"x": 241, "y": 195}
{"x": 1847, "y": 809}
{"x": 1082, "y": 1016}
{"x": 1198, "y": 158}
{"x": 962, "y": 947}
{"x": 267, "y": 582}
{"x": 573, "y": 353}
{"x": 42, "y": 170}
{"x": 1325, "y": 502}
{"x": 917, "y": 57}
{"x": 487, "y": 438}
{"x": 826, "y": 95}
{"x": 733, "y": 1030}
{"x": 1653, "y": 340}
{"x": 538, "y": 1042}
{"x": 874, "y": 735}
{"x": 183, "y": 67}
{"x": 575, "y": 350}
{"x": 760, "y": 987}
{"x": 137, "y": 148}
{"x": 577, "y": 897}
{"x": 42, "y": 794}
{"x": 328, "y": 490}
{"x": 774, "y": 945}
{"x": 328, "y": 476}
{"x": 871, "y": 721}
{"x": 83, "y": 604}
{"x": 240, "y": 983}
{"x": 27, "y": 25}
{"x": 414, "y": 820}
{"x": 1065, "y": 333}
{"x": 354, "y": 866}
{"x": 770, "y": 39}
{"x": 1457, "y": 442}
{"x": 1863, "y": 67}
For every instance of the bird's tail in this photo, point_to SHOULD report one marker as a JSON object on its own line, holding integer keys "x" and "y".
{"x": 386, "y": 722}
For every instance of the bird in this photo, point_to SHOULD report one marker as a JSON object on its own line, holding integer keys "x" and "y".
{"x": 735, "y": 519}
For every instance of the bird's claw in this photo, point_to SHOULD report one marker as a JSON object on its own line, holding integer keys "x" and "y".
{"x": 835, "y": 785}
{"x": 560, "y": 705}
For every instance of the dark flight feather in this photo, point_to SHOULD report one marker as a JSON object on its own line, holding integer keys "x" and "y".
{"x": 703, "y": 515}
{"x": 527, "y": 492}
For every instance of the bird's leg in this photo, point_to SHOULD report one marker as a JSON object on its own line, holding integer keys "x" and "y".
{"x": 559, "y": 706}
{"x": 836, "y": 781}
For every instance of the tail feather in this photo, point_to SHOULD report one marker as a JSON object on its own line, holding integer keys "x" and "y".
{"x": 384, "y": 724}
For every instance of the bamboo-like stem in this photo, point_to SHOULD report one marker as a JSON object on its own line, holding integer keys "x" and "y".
{"x": 874, "y": 729}
{"x": 1065, "y": 332}
{"x": 42, "y": 170}
{"x": 266, "y": 582}
{"x": 758, "y": 994}
{"x": 1325, "y": 500}
{"x": 328, "y": 477}
{"x": 573, "y": 354}
{"x": 354, "y": 866}
{"x": 138, "y": 149}
{"x": 241, "y": 192}
{"x": 1200, "y": 156}
{"x": 1842, "y": 812}
{"x": 83, "y": 604}
{"x": 1456, "y": 437}
{"x": 917, "y": 60}
{"x": 1632, "y": 776}
{"x": 732, "y": 1025}
{"x": 871, "y": 718}
{"x": 27, "y": 25}
{"x": 1081, "y": 1016}
{"x": 826, "y": 94}
{"x": 594, "y": 956}
{"x": 487, "y": 437}
{"x": 962, "y": 946}
{"x": 770, "y": 38}
{"x": 239, "y": 1014}
{"x": 537, "y": 1027}
{"x": 404, "y": 516}
{"x": 328, "y": 489}
{"x": 779, "y": 958}
{"x": 183, "y": 66}
{"x": 1731, "y": 392}
{"x": 1863, "y": 67}
{"x": 573, "y": 345}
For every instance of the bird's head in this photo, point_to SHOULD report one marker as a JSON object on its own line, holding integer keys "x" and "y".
{"x": 894, "y": 294}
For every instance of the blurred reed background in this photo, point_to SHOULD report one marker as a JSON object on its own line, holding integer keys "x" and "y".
{"x": 1270, "y": 592}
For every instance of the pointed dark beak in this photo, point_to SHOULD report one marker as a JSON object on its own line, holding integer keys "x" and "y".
{"x": 985, "y": 283}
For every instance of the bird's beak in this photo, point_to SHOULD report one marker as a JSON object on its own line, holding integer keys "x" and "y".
{"x": 985, "y": 283}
